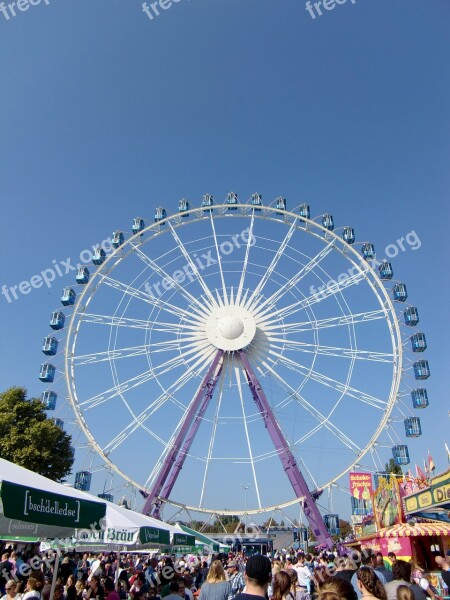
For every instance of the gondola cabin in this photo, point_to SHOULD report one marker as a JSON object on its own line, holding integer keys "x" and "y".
{"x": 207, "y": 202}
{"x": 47, "y": 373}
{"x": 256, "y": 201}
{"x": 232, "y": 201}
{"x": 160, "y": 214}
{"x": 99, "y": 256}
{"x": 138, "y": 225}
{"x": 332, "y": 524}
{"x": 82, "y": 275}
{"x": 118, "y": 239}
{"x": 418, "y": 342}
{"x": 328, "y": 222}
{"x": 83, "y": 481}
{"x": 386, "y": 271}
{"x": 107, "y": 497}
{"x": 57, "y": 320}
{"x": 349, "y": 235}
{"x": 68, "y": 297}
{"x": 400, "y": 292}
{"x": 413, "y": 427}
{"x": 50, "y": 346}
{"x": 400, "y": 453}
{"x": 280, "y": 204}
{"x": 59, "y": 423}
{"x": 411, "y": 316}
{"x": 304, "y": 211}
{"x": 421, "y": 369}
{"x": 183, "y": 207}
{"x": 48, "y": 399}
{"x": 368, "y": 250}
{"x": 419, "y": 398}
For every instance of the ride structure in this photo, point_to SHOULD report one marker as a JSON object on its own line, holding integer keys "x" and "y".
{"x": 237, "y": 338}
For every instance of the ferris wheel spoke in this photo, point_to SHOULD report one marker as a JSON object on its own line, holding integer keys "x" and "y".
{"x": 331, "y": 383}
{"x": 193, "y": 266}
{"x": 267, "y": 275}
{"x": 237, "y": 372}
{"x": 245, "y": 264}
{"x": 323, "y": 421}
{"x": 343, "y": 320}
{"x": 117, "y": 353}
{"x": 113, "y": 321}
{"x": 212, "y": 439}
{"x": 368, "y": 355}
{"x": 129, "y": 290}
{"x": 219, "y": 261}
{"x": 293, "y": 281}
{"x": 330, "y": 291}
{"x": 196, "y": 305}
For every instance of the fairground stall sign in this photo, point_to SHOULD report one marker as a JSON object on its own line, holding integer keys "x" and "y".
{"x": 432, "y": 502}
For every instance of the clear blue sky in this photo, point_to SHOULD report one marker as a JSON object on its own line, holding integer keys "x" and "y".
{"x": 107, "y": 114}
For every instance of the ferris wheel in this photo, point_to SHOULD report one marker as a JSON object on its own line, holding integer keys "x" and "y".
{"x": 238, "y": 347}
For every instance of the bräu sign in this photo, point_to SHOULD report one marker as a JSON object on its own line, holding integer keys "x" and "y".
{"x": 39, "y": 506}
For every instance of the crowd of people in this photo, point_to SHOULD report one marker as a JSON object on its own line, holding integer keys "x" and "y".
{"x": 107, "y": 576}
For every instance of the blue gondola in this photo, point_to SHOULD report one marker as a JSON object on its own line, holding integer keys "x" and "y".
{"x": 57, "y": 320}
{"x": 421, "y": 369}
{"x": 304, "y": 211}
{"x": 160, "y": 214}
{"x": 207, "y": 202}
{"x": 48, "y": 399}
{"x": 419, "y": 398}
{"x": 59, "y": 423}
{"x": 118, "y": 239}
{"x": 359, "y": 506}
{"x": 256, "y": 201}
{"x": 332, "y": 524}
{"x": 68, "y": 297}
{"x": 232, "y": 201}
{"x": 385, "y": 269}
{"x": 400, "y": 292}
{"x": 99, "y": 256}
{"x": 411, "y": 315}
{"x": 47, "y": 373}
{"x": 349, "y": 235}
{"x": 413, "y": 427}
{"x": 50, "y": 346}
{"x": 107, "y": 497}
{"x": 418, "y": 342}
{"x": 183, "y": 207}
{"x": 328, "y": 221}
{"x": 82, "y": 276}
{"x": 83, "y": 481}
{"x": 400, "y": 453}
{"x": 138, "y": 225}
{"x": 280, "y": 203}
{"x": 368, "y": 250}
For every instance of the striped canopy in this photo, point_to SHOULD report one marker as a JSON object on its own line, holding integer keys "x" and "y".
{"x": 404, "y": 530}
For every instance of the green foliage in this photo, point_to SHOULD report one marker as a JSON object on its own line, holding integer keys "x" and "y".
{"x": 393, "y": 467}
{"x": 30, "y": 439}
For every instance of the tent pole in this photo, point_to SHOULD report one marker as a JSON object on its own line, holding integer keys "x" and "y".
{"x": 116, "y": 577}
{"x": 55, "y": 572}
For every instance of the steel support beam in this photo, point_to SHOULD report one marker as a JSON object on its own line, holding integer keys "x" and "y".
{"x": 287, "y": 458}
{"x": 175, "y": 458}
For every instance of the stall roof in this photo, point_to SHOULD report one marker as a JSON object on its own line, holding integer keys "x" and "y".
{"x": 405, "y": 530}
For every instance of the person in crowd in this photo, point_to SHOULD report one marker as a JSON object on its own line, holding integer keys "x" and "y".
{"x": 59, "y": 592}
{"x": 110, "y": 591}
{"x": 11, "y": 591}
{"x": 95, "y": 591}
{"x": 34, "y": 586}
{"x": 236, "y": 578}
{"x": 216, "y": 586}
{"x": 401, "y": 575}
{"x": 174, "y": 589}
{"x": 335, "y": 588}
{"x": 79, "y": 587}
{"x": 281, "y": 586}
{"x": 297, "y": 593}
{"x": 377, "y": 563}
{"x": 404, "y": 592}
{"x": 366, "y": 561}
{"x": 303, "y": 573}
{"x": 6, "y": 572}
{"x": 445, "y": 570}
{"x": 258, "y": 571}
{"x": 369, "y": 584}
{"x": 391, "y": 558}
{"x": 183, "y": 591}
{"x": 345, "y": 568}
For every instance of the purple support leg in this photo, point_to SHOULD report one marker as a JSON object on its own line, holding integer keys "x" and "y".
{"x": 286, "y": 456}
{"x": 206, "y": 389}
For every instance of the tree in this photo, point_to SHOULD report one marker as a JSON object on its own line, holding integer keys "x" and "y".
{"x": 30, "y": 439}
{"x": 393, "y": 467}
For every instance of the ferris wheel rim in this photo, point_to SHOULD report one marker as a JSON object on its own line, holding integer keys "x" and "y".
{"x": 375, "y": 284}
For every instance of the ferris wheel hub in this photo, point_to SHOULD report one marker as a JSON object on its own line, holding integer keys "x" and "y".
{"x": 230, "y": 328}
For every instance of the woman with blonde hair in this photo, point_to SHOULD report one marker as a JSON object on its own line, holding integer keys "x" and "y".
{"x": 216, "y": 586}
{"x": 34, "y": 586}
{"x": 404, "y": 592}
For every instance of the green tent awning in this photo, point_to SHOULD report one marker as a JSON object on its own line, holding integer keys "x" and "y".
{"x": 204, "y": 539}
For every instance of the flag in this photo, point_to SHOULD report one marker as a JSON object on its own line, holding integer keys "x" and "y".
{"x": 420, "y": 475}
{"x": 448, "y": 452}
{"x": 431, "y": 464}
